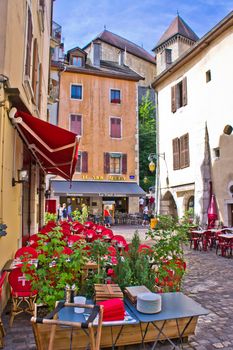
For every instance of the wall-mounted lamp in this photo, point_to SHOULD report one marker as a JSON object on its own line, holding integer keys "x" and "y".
{"x": 227, "y": 129}
{"x": 47, "y": 193}
{"x": 23, "y": 176}
{"x": 153, "y": 157}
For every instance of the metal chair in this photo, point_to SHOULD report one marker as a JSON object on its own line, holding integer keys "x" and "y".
{"x": 21, "y": 291}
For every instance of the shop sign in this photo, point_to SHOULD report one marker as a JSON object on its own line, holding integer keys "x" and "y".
{"x": 131, "y": 177}
{"x": 116, "y": 178}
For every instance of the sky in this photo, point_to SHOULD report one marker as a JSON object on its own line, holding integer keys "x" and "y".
{"x": 140, "y": 21}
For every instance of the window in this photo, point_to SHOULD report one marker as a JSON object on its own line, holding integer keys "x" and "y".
{"x": 77, "y": 61}
{"x": 29, "y": 44}
{"x": 115, "y": 163}
{"x": 208, "y": 76}
{"x": 181, "y": 152}
{"x": 82, "y": 162}
{"x": 115, "y": 96}
{"x": 168, "y": 56}
{"x": 76, "y": 92}
{"x": 115, "y": 127}
{"x": 76, "y": 124}
{"x": 216, "y": 152}
{"x": 35, "y": 70}
{"x": 179, "y": 95}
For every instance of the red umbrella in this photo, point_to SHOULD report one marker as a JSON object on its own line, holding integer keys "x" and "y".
{"x": 212, "y": 211}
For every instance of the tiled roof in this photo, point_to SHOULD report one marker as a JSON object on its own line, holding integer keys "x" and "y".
{"x": 122, "y": 43}
{"x": 107, "y": 68}
{"x": 178, "y": 26}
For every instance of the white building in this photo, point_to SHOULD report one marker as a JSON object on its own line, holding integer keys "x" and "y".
{"x": 194, "y": 104}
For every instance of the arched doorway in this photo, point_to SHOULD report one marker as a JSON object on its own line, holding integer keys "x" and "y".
{"x": 168, "y": 205}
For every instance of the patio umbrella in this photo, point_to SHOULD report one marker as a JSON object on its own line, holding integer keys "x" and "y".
{"x": 212, "y": 212}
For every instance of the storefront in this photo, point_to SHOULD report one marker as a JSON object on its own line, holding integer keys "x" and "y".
{"x": 121, "y": 197}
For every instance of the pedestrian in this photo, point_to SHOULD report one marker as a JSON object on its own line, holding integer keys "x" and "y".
{"x": 141, "y": 204}
{"x": 145, "y": 216}
{"x": 59, "y": 212}
{"x": 107, "y": 217}
{"x": 69, "y": 211}
{"x": 64, "y": 212}
{"x": 151, "y": 202}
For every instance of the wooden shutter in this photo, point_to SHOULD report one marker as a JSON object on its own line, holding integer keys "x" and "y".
{"x": 106, "y": 163}
{"x": 124, "y": 163}
{"x": 184, "y": 92}
{"x": 176, "y": 153}
{"x": 84, "y": 162}
{"x": 35, "y": 67}
{"x": 40, "y": 87}
{"x": 173, "y": 99}
{"x": 115, "y": 127}
{"x": 29, "y": 44}
{"x": 184, "y": 151}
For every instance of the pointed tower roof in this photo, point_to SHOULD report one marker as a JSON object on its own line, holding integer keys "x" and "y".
{"x": 178, "y": 26}
{"x": 123, "y": 44}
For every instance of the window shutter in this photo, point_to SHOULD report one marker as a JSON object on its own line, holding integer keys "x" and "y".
{"x": 29, "y": 44}
{"x": 35, "y": 67}
{"x": 84, "y": 162}
{"x": 40, "y": 87}
{"x": 184, "y": 151}
{"x": 106, "y": 163}
{"x": 173, "y": 99}
{"x": 76, "y": 124}
{"x": 184, "y": 92}
{"x": 176, "y": 153}
{"x": 124, "y": 163}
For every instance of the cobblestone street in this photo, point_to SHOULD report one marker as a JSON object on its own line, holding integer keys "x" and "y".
{"x": 208, "y": 281}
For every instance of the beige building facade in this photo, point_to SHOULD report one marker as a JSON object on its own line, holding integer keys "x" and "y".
{"x": 25, "y": 29}
{"x": 195, "y": 105}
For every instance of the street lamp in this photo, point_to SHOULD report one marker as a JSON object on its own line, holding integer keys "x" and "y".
{"x": 152, "y": 166}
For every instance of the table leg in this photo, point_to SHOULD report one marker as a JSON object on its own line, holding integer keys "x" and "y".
{"x": 161, "y": 332}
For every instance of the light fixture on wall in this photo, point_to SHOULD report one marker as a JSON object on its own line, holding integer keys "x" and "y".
{"x": 23, "y": 176}
{"x": 152, "y": 157}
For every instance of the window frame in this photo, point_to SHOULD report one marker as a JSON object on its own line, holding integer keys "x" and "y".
{"x": 72, "y": 98}
{"x": 179, "y": 94}
{"x": 110, "y": 124}
{"x": 183, "y": 153}
{"x": 76, "y": 171}
{"x": 120, "y": 156}
{"x": 77, "y": 57}
{"x": 110, "y": 96}
{"x": 76, "y": 114}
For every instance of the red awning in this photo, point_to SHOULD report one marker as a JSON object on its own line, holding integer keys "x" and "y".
{"x": 55, "y": 149}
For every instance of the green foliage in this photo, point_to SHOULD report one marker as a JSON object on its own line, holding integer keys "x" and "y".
{"x": 169, "y": 238}
{"x": 50, "y": 217}
{"x": 80, "y": 215}
{"x": 133, "y": 268}
{"x": 98, "y": 252}
{"x": 147, "y": 140}
{"x": 55, "y": 270}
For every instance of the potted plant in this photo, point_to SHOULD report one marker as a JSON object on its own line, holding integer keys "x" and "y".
{"x": 55, "y": 269}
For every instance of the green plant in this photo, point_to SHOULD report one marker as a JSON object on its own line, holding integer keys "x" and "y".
{"x": 50, "y": 217}
{"x": 55, "y": 269}
{"x": 97, "y": 253}
{"x": 169, "y": 236}
{"x": 134, "y": 267}
{"x": 81, "y": 215}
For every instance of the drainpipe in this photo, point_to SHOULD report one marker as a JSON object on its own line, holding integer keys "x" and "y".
{"x": 157, "y": 177}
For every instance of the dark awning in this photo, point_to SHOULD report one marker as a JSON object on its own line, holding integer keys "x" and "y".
{"x": 99, "y": 188}
{"x": 55, "y": 149}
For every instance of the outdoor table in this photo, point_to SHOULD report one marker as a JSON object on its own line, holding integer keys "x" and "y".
{"x": 227, "y": 236}
{"x": 175, "y": 306}
{"x": 68, "y": 314}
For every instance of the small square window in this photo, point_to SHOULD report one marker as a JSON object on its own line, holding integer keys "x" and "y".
{"x": 115, "y": 96}
{"x": 216, "y": 152}
{"x": 77, "y": 61}
{"x": 76, "y": 92}
{"x": 208, "y": 76}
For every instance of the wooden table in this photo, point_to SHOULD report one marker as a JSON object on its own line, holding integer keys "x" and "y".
{"x": 177, "y": 320}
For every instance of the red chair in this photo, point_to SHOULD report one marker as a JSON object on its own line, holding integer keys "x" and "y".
{"x": 107, "y": 234}
{"x": 72, "y": 239}
{"x": 33, "y": 241}
{"x": 21, "y": 292}
{"x": 2, "y": 330}
{"x": 223, "y": 244}
{"x": 112, "y": 251}
{"x": 119, "y": 241}
{"x": 67, "y": 251}
{"x": 26, "y": 253}
{"x": 89, "y": 224}
{"x": 99, "y": 229}
{"x": 195, "y": 240}
{"x": 89, "y": 234}
{"x": 143, "y": 248}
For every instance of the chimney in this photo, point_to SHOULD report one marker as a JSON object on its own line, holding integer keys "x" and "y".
{"x": 96, "y": 54}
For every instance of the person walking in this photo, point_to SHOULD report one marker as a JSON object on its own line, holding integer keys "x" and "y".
{"x": 59, "y": 212}
{"x": 141, "y": 204}
{"x": 64, "y": 212}
{"x": 145, "y": 216}
{"x": 107, "y": 217}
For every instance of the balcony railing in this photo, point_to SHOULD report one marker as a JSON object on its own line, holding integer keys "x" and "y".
{"x": 56, "y": 32}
